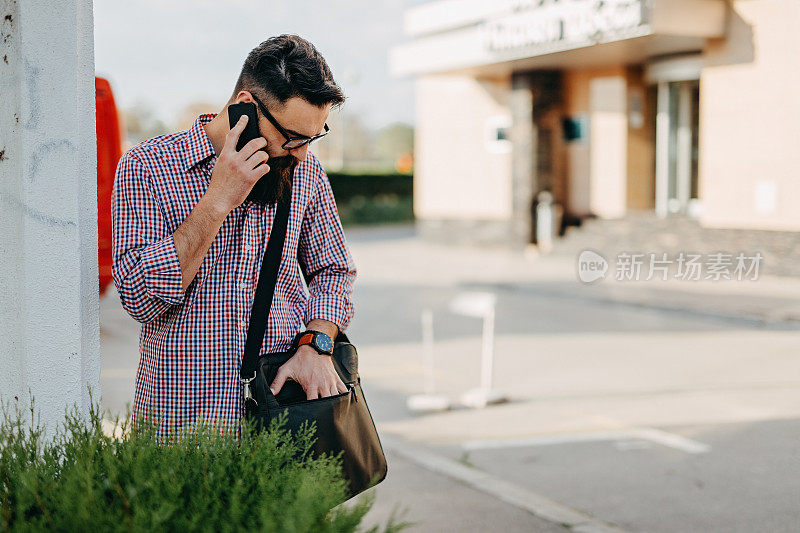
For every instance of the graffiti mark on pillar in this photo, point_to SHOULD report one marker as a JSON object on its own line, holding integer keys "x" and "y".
{"x": 13, "y": 203}
{"x": 45, "y": 151}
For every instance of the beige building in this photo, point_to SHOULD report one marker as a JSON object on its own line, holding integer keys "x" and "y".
{"x": 678, "y": 106}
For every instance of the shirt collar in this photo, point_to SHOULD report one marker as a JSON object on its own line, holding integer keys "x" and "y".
{"x": 198, "y": 145}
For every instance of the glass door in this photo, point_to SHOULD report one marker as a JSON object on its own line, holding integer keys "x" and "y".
{"x": 677, "y": 129}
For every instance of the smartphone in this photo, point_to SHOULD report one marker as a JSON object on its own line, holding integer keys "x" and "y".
{"x": 250, "y": 132}
{"x": 235, "y": 111}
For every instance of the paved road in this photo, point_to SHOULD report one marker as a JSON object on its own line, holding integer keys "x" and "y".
{"x": 621, "y": 415}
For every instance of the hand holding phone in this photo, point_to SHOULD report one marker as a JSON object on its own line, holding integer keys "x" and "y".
{"x": 242, "y": 160}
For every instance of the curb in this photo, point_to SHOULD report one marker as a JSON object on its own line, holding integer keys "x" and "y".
{"x": 536, "y": 504}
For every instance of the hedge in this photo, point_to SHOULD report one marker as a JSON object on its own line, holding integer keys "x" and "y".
{"x": 373, "y": 198}
{"x": 83, "y": 480}
{"x": 347, "y": 186}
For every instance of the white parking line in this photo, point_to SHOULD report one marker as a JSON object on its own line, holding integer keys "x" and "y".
{"x": 535, "y": 504}
{"x": 664, "y": 438}
{"x": 670, "y": 440}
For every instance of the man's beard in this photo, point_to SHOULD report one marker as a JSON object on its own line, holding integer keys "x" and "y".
{"x": 276, "y": 183}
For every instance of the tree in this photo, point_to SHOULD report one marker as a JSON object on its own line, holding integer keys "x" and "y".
{"x": 141, "y": 123}
{"x": 394, "y": 141}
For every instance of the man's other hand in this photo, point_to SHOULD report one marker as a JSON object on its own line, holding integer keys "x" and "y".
{"x": 313, "y": 371}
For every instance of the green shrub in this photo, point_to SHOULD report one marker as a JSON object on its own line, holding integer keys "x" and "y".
{"x": 376, "y": 210}
{"x": 83, "y": 480}
{"x": 347, "y": 186}
{"x": 373, "y": 198}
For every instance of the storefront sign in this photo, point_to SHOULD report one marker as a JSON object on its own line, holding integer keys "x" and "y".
{"x": 553, "y": 22}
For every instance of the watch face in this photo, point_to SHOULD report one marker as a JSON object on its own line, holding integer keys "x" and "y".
{"x": 324, "y": 343}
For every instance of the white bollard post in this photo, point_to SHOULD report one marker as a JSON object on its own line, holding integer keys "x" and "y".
{"x": 429, "y": 401}
{"x": 487, "y": 350}
{"x": 427, "y": 351}
{"x": 544, "y": 224}
{"x": 481, "y": 305}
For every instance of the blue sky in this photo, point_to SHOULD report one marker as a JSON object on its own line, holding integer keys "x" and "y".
{"x": 168, "y": 54}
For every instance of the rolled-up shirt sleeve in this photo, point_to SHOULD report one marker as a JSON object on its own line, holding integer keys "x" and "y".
{"x": 323, "y": 252}
{"x": 146, "y": 270}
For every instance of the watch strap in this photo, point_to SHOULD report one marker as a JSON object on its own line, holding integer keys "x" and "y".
{"x": 308, "y": 337}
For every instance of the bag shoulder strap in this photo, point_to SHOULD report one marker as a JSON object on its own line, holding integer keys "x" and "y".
{"x": 265, "y": 289}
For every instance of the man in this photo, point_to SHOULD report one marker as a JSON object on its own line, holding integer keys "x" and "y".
{"x": 191, "y": 220}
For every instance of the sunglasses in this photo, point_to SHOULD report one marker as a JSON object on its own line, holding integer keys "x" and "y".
{"x": 292, "y": 141}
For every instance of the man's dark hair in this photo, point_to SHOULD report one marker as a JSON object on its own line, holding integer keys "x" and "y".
{"x": 278, "y": 69}
{"x": 285, "y": 66}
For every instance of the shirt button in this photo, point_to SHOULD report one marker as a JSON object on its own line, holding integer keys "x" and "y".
{"x": 247, "y": 247}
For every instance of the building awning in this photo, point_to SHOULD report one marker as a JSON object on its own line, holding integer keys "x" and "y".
{"x": 496, "y": 38}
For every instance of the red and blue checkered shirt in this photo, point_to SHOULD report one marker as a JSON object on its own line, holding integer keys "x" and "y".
{"x": 192, "y": 341}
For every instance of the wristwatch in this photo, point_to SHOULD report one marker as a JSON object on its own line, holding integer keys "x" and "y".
{"x": 321, "y": 342}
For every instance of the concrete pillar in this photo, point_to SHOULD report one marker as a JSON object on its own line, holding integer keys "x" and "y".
{"x": 49, "y": 332}
{"x": 683, "y": 152}
{"x": 662, "y": 149}
{"x": 608, "y": 146}
{"x": 523, "y": 162}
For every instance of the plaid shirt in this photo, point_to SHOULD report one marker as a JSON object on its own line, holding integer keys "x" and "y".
{"x": 192, "y": 341}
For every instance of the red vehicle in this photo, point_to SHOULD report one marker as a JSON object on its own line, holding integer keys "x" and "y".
{"x": 109, "y": 152}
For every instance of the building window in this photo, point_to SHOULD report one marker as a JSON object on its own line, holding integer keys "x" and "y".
{"x": 575, "y": 128}
{"x": 498, "y": 134}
